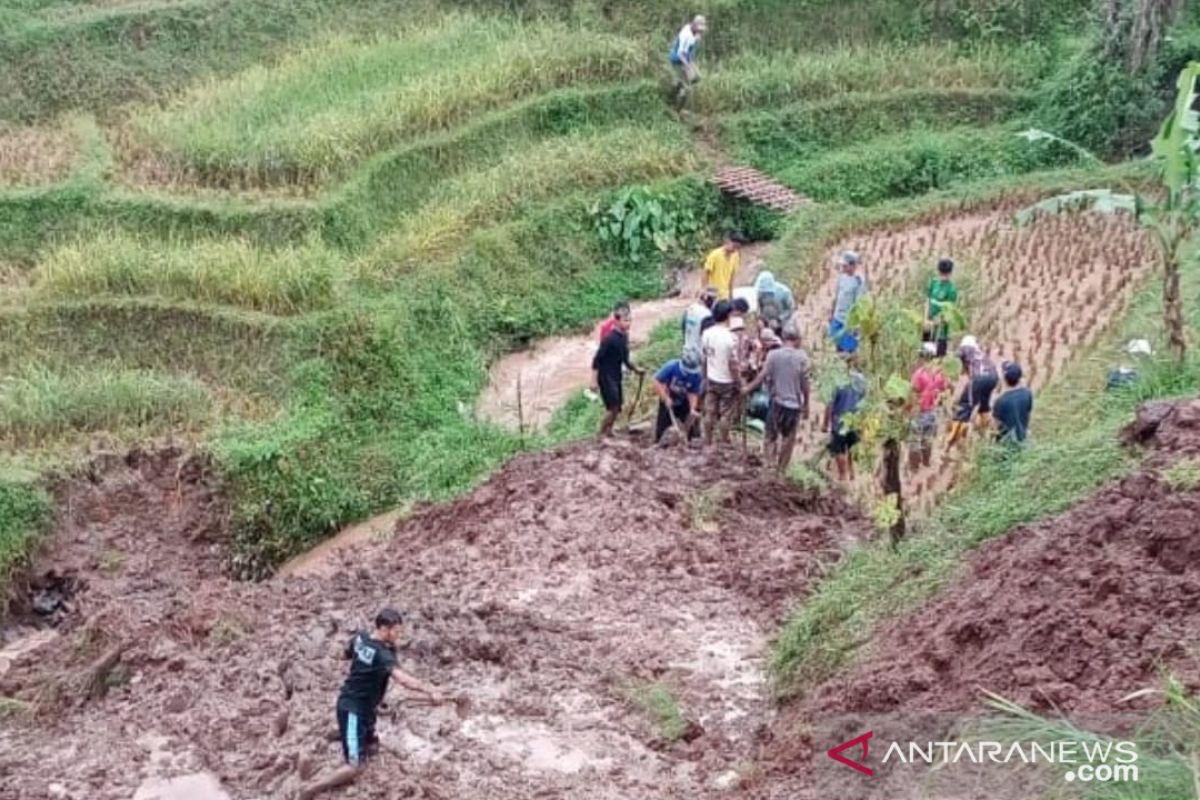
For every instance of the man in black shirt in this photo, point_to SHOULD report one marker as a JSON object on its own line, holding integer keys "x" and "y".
{"x": 372, "y": 665}
{"x": 1012, "y": 410}
{"x": 606, "y": 370}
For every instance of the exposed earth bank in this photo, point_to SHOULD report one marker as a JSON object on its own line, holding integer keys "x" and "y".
{"x": 1070, "y": 615}
{"x": 604, "y": 609}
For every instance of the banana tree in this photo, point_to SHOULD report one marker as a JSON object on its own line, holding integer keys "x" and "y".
{"x": 889, "y": 336}
{"x": 1172, "y": 214}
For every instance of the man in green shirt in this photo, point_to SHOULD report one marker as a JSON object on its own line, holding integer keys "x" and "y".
{"x": 941, "y": 290}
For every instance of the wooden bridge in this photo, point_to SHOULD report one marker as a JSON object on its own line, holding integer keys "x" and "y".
{"x": 755, "y": 187}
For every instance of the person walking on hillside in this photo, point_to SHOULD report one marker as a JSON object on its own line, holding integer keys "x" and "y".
{"x": 372, "y": 659}
{"x": 1014, "y": 407}
{"x": 678, "y": 385}
{"x": 980, "y": 379}
{"x": 694, "y": 319}
{"x": 721, "y": 375}
{"x": 611, "y": 356}
{"x": 941, "y": 290}
{"x": 929, "y": 383}
{"x": 606, "y": 327}
{"x": 682, "y": 57}
{"x": 850, "y": 288}
{"x": 722, "y": 264}
{"x": 786, "y": 373}
{"x": 846, "y": 400}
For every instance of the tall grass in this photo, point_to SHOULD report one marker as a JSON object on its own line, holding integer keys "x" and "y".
{"x": 552, "y": 168}
{"x": 918, "y": 161}
{"x": 334, "y": 104}
{"x": 234, "y": 272}
{"x": 39, "y": 404}
{"x": 754, "y": 80}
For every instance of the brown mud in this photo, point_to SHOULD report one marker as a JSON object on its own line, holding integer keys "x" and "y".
{"x": 528, "y": 386}
{"x": 1071, "y": 615}
{"x": 604, "y": 609}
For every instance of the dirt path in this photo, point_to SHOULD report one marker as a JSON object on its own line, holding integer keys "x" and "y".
{"x": 530, "y": 385}
{"x": 1037, "y": 293}
{"x": 605, "y": 609}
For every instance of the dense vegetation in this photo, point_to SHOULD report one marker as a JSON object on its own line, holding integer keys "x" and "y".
{"x": 299, "y": 231}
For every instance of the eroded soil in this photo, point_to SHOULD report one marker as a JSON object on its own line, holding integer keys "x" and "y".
{"x": 560, "y": 598}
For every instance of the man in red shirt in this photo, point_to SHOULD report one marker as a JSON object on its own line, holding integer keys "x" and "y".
{"x": 928, "y": 383}
{"x": 606, "y": 327}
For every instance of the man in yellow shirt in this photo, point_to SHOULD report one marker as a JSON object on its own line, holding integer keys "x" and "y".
{"x": 721, "y": 266}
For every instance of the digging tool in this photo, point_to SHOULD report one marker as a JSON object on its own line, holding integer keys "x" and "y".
{"x": 636, "y": 398}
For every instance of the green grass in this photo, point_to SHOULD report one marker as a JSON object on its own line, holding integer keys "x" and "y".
{"x": 25, "y": 511}
{"x": 335, "y": 104}
{"x": 754, "y": 81}
{"x": 1073, "y": 450}
{"x": 917, "y": 162}
{"x": 37, "y": 404}
{"x": 232, "y": 272}
{"x": 550, "y": 169}
{"x": 778, "y": 139}
{"x": 657, "y": 702}
{"x": 1183, "y": 475}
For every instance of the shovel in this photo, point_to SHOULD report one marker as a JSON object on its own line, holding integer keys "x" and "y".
{"x": 636, "y": 398}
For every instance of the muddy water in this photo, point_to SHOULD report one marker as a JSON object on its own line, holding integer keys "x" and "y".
{"x": 319, "y": 561}
{"x": 199, "y": 786}
{"x": 528, "y": 386}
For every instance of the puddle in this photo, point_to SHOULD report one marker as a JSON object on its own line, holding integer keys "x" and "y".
{"x": 320, "y": 561}
{"x": 538, "y": 748}
{"x": 528, "y": 386}
{"x": 197, "y": 786}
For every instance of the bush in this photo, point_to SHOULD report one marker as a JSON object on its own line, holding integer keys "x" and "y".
{"x": 232, "y": 272}
{"x": 25, "y": 510}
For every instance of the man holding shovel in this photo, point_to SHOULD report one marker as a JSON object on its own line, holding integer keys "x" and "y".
{"x": 606, "y": 371}
{"x": 678, "y": 386}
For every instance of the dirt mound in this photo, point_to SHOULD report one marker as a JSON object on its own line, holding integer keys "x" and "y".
{"x": 605, "y": 609}
{"x": 1073, "y": 613}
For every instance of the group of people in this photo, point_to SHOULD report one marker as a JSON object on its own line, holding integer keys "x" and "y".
{"x": 742, "y": 356}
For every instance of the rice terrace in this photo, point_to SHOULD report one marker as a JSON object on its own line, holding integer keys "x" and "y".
{"x": 599, "y": 399}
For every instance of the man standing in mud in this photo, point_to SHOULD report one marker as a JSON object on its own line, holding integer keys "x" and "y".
{"x": 606, "y": 371}
{"x": 372, "y": 665}
{"x": 786, "y": 373}
{"x": 722, "y": 375}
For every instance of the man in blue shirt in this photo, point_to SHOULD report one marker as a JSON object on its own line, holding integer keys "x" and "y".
{"x": 683, "y": 57}
{"x": 846, "y": 400}
{"x": 850, "y": 288}
{"x": 1012, "y": 410}
{"x": 678, "y": 386}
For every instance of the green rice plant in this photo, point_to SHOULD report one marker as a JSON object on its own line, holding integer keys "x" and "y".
{"x": 555, "y": 167}
{"x": 233, "y": 272}
{"x": 751, "y": 80}
{"x": 331, "y": 105}
{"x": 919, "y": 162}
{"x": 38, "y": 404}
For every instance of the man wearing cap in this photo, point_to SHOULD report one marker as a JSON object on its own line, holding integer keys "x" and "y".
{"x": 1013, "y": 408}
{"x": 721, "y": 265}
{"x": 941, "y": 290}
{"x": 678, "y": 386}
{"x": 682, "y": 56}
{"x": 372, "y": 659}
{"x": 850, "y": 288}
{"x": 785, "y": 372}
{"x": 980, "y": 379}
{"x": 721, "y": 374}
{"x": 695, "y": 317}
{"x": 929, "y": 383}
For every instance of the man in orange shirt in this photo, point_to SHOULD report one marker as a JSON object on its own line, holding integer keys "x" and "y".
{"x": 721, "y": 266}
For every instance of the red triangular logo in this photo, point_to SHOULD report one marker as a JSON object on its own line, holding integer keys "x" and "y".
{"x": 836, "y": 753}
